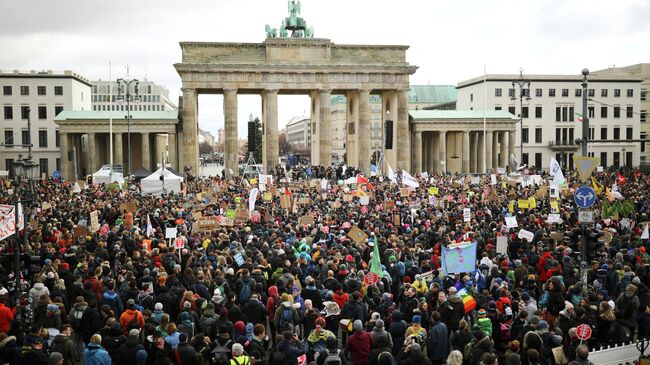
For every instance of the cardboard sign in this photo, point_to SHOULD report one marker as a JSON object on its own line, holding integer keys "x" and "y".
{"x": 94, "y": 221}
{"x": 348, "y": 198}
{"x": 532, "y": 203}
{"x": 146, "y": 244}
{"x": 542, "y": 192}
{"x": 502, "y": 245}
{"x": 131, "y": 206}
{"x": 285, "y": 201}
{"x": 357, "y": 235}
{"x": 171, "y": 232}
{"x": 80, "y": 231}
{"x": 553, "y": 218}
{"x": 526, "y": 235}
{"x": 179, "y": 243}
{"x": 267, "y": 197}
{"x": 46, "y": 206}
{"x": 467, "y": 215}
{"x": 493, "y": 179}
{"x": 364, "y": 200}
{"x": 555, "y": 208}
{"x": 522, "y": 204}
{"x": 227, "y": 222}
{"x": 304, "y": 201}
{"x": 404, "y": 192}
{"x": 511, "y": 222}
{"x": 241, "y": 214}
{"x": 557, "y": 236}
{"x": 306, "y": 220}
{"x": 207, "y": 223}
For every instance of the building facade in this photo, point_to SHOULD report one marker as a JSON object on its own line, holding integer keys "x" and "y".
{"x": 153, "y": 97}
{"x": 639, "y": 71}
{"x": 551, "y": 115}
{"x": 39, "y": 96}
{"x": 298, "y": 135}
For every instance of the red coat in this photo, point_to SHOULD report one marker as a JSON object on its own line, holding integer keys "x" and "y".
{"x": 6, "y": 317}
{"x": 359, "y": 345}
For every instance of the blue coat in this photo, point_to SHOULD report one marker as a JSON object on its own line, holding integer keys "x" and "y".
{"x": 96, "y": 355}
{"x": 438, "y": 344}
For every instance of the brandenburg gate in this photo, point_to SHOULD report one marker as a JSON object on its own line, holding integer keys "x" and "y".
{"x": 297, "y": 65}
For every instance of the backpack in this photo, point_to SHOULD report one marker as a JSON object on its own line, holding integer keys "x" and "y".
{"x": 76, "y": 319}
{"x": 133, "y": 323}
{"x": 506, "y": 334}
{"x": 419, "y": 338}
{"x": 221, "y": 353}
{"x": 332, "y": 358}
{"x": 467, "y": 351}
{"x": 245, "y": 293}
{"x": 286, "y": 318}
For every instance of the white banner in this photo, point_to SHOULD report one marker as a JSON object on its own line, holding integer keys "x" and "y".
{"x": 7, "y": 221}
{"x": 526, "y": 235}
{"x": 502, "y": 245}
{"x": 391, "y": 174}
{"x": 511, "y": 222}
{"x": 553, "y": 218}
{"x": 251, "y": 200}
{"x": 409, "y": 180}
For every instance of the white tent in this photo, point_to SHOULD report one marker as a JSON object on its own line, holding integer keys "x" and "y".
{"x": 153, "y": 184}
{"x": 103, "y": 176}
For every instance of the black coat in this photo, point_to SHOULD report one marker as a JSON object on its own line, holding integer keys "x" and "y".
{"x": 128, "y": 350}
{"x": 414, "y": 358}
{"x": 187, "y": 354}
{"x": 254, "y": 311}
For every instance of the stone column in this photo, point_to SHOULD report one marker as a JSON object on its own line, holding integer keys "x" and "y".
{"x": 488, "y": 151}
{"x": 67, "y": 167}
{"x": 91, "y": 154}
{"x": 435, "y": 153}
{"x": 466, "y": 152}
{"x": 426, "y": 139}
{"x": 495, "y": 150}
{"x": 314, "y": 133}
{"x": 146, "y": 151}
{"x": 231, "y": 155}
{"x": 118, "y": 150}
{"x": 473, "y": 151}
{"x": 325, "y": 126}
{"x": 480, "y": 160}
{"x": 417, "y": 163}
{"x": 190, "y": 143}
{"x": 442, "y": 151}
{"x": 402, "y": 130}
{"x": 503, "y": 161}
{"x": 363, "y": 132}
{"x": 511, "y": 144}
{"x": 352, "y": 125}
{"x": 173, "y": 159}
{"x": 272, "y": 155}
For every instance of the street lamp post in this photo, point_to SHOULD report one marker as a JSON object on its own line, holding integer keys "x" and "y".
{"x": 524, "y": 92}
{"x": 126, "y": 95}
{"x": 585, "y": 113}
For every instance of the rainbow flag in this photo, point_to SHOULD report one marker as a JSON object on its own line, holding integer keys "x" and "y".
{"x": 468, "y": 300}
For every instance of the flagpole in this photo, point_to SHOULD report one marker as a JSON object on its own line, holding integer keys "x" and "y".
{"x": 110, "y": 120}
{"x": 484, "y": 120}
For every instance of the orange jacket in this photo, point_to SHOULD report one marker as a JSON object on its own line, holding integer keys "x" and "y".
{"x": 128, "y": 316}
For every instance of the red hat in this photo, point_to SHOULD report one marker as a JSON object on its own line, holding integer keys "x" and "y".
{"x": 349, "y": 258}
{"x": 407, "y": 279}
{"x": 65, "y": 265}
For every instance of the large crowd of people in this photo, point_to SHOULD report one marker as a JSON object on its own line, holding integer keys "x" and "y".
{"x": 284, "y": 283}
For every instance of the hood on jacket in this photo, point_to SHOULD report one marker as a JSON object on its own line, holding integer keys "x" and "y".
{"x": 273, "y": 291}
{"x": 397, "y": 315}
{"x": 110, "y": 295}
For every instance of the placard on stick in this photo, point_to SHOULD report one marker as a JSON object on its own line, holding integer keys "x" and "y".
{"x": 357, "y": 235}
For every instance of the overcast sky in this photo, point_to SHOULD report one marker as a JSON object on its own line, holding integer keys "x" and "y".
{"x": 450, "y": 40}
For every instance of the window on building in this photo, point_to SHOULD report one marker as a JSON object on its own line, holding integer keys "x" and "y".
{"x": 94, "y": 89}
{"x": 643, "y": 116}
{"x": 603, "y": 158}
{"x": 524, "y": 112}
{"x": 551, "y": 92}
{"x": 538, "y": 112}
{"x": 497, "y": 107}
{"x": 538, "y": 93}
{"x": 524, "y": 135}
{"x": 565, "y": 92}
{"x": 6, "y": 90}
{"x": 570, "y": 140}
{"x": 524, "y": 159}
{"x": 57, "y": 139}
{"x": 617, "y": 159}
{"x": 149, "y": 89}
{"x": 558, "y": 135}
{"x": 538, "y": 159}
{"x": 617, "y": 112}
{"x": 24, "y": 112}
{"x": 24, "y": 90}
{"x": 644, "y": 94}
{"x": 42, "y": 138}
{"x": 558, "y": 113}
{"x": 511, "y": 110}
{"x": 629, "y": 156}
{"x": 58, "y": 90}
{"x": 538, "y": 135}
{"x": 42, "y": 112}
{"x": 578, "y": 92}
{"x": 591, "y": 112}
{"x": 565, "y": 112}
{"x": 526, "y": 93}
{"x": 644, "y": 135}
{"x": 603, "y": 93}
{"x": 630, "y": 93}
{"x": 629, "y": 112}
{"x": 58, "y": 164}
{"x": 24, "y": 134}
{"x": 9, "y": 137}
{"x": 497, "y": 91}
{"x": 44, "y": 168}
{"x": 571, "y": 114}
{"x": 617, "y": 133}
{"x": 617, "y": 93}
{"x": 603, "y": 112}
{"x": 40, "y": 90}
{"x": 603, "y": 132}
{"x": 591, "y": 93}
{"x": 511, "y": 92}
{"x": 58, "y": 109}
{"x": 592, "y": 133}
{"x": 9, "y": 112}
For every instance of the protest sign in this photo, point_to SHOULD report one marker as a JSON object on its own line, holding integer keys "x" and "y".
{"x": 459, "y": 258}
{"x": 511, "y": 222}
{"x": 553, "y": 218}
{"x": 94, "y": 221}
{"x": 357, "y": 235}
{"x": 171, "y": 232}
{"x": 502, "y": 245}
{"x": 7, "y": 221}
{"x": 207, "y": 223}
{"x": 526, "y": 235}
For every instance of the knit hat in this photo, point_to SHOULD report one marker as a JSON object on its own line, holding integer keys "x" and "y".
{"x": 525, "y": 297}
{"x": 182, "y": 337}
{"x": 534, "y": 320}
{"x": 358, "y": 326}
{"x": 481, "y": 313}
{"x": 141, "y": 355}
{"x": 416, "y": 319}
{"x": 54, "y": 358}
{"x": 374, "y": 316}
{"x": 543, "y": 325}
{"x": 130, "y": 304}
{"x": 187, "y": 305}
{"x": 285, "y": 297}
{"x": 379, "y": 323}
{"x": 134, "y": 332}
{"x": 158, "y": 307}
{"x": 240, "y": 326}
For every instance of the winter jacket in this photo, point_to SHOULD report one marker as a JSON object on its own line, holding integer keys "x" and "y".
{"x": 128, "y": 350}
{"x": 478, "y": 349}
{"x": 354, "y": 310}
{"x": 451, "y": 312}
{"x": 485, "y": 325}
{"x": 278, "y": 317}
{"x": 9, "y": 351}
{"x": 66, "y": 347}
{"x": 359, "y": 344}
{"x": 6, "y": 317}
{"x": 128, "y": 316}
{"x": 95, "y": 355}
{"x": 187, "y": 354}
{"x": 113, "y": 300}
{"x": 381, "y": 338}
{"x": 254, "y": 311}
{"x": 438, "y": 342}
{"x": 397, "y": 329}
{"x": 414, "y": 357}
{"x": 36, "y": 292}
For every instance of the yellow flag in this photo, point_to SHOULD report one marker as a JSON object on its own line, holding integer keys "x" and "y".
{"x": 597, "y": 187}
{"x": 609, "y": 195}
{"x": 532, "y": 203}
